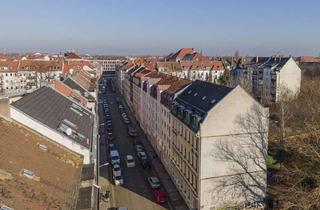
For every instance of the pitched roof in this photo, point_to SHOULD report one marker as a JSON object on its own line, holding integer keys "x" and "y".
{"x": 83, "y": 82}
{"x": 309, "y": 59}
{"x": 180, "y": 54}
{"x": 40, "y": 66}
{"x": 170, "y": 66}
{"x": 53, "y": 109}
{"x": 75, "y": 86}
{"x": 203, "y": 95}
{"x": 178, "y": 85}
{"x": 75, "y": 65}
{"x": 9, "y": 66}
{"x": 71, "y": 55}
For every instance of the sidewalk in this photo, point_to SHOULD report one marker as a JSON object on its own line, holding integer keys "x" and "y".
{"x": 175, "y": 200}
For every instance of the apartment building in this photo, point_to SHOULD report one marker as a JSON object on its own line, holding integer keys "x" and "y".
{"x": 57, "y": 117}
{"x": 24, "y": 76}
{"x": 271, "y": 78}
{"x": 107, "y": 63}
{"x": 70, "y": 88}
{"x": 185, "y": 121}
{"x": 192, "y": 65}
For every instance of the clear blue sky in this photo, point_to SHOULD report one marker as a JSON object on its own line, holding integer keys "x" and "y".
{"x": 161, "y": 26}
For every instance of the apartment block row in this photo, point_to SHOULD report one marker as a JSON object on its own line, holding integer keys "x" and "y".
{"x": 190, "y": 124}
{"x": 24, "y": 74}
{"x": 189, "y": 64}
{"x": 270, "y": 78}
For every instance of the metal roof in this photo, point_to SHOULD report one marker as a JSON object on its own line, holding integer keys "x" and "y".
{"x": 59, "y": 113}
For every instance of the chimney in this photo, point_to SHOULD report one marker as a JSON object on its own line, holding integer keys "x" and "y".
{"x": 257, "y": 59}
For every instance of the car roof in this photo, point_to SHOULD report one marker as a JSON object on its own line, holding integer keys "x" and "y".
{"x": 154, "y": 178}
{"x": 114, "y": 153}
{"x": 130, "y": 156}
{"x": 117, "y": 173}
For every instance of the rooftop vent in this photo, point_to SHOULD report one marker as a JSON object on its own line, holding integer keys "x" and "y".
{"x": 42, "y": 147}
{"x": 70, "y": 124}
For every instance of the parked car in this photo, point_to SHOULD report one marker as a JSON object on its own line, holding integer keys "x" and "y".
{"x": 116, "y": 168}
{"x": 110, "y": 136}
{"x": 130, "y": 161}
{"x": 139, "y": 148}
{"x": 114, "y": 156}
{"x": 112, "y": 147}
{"x": 160, "y": 196}
{"x": 126, "y": 121}
{"x": 109, "y": 128}
{"x": 142, "y": 155}
{"x": 118, "y": 179}
{"x": 145, "y": 164}
{"x": 154, "y": 182}
{"x": 137, "y": 142}
{"x": 132, "y": 131}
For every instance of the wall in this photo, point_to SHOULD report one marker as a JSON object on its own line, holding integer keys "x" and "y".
{"x": 290, "y": 77}
{"x": 221, "y": 129}
{"x": 50, "y": 133}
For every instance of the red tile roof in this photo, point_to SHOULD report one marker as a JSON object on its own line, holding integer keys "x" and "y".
{"x": 37, "y": 65}
{"x": 310, "y": 59}
{"x": 71, "y": 55}
{"x": 75, "y": 65}
{"x": 9, "y": 66}
{"x": 180, "y": 54}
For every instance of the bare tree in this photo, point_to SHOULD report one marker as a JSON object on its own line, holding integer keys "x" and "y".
{"x": 246, "y": 154}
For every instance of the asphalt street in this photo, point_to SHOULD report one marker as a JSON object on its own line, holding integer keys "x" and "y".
{"x": 136, "y": 192}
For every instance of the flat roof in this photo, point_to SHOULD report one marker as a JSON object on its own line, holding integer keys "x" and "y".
{"x": 58, "y": 170}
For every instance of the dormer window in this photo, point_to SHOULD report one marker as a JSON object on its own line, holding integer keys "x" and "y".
{"x": 213, "y": 101}
{"x": 189, "y": 92}
{"x": 195, "y": 94}
{"x": 203, "y": 98}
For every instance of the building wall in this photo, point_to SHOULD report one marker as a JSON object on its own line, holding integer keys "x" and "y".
{"x": 224, "y": 126}
{"x": 26, "y": 81}
{"x": 290, "y": 77}
{"x": 51, "y": 134}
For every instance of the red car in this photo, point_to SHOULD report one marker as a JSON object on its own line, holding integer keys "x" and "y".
{"x": 160, "y": 196}
{"x": 110, "y": 136}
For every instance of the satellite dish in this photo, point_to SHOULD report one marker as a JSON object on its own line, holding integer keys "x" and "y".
{"x": 69, "y": 131}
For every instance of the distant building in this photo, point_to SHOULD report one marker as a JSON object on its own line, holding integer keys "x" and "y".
{"x": 57, "y": 117}
{"x": 192, "y": 65}
{"x": 272, "y": 78}
{"x": 18, "y": 77}
{"x": 107, "y": 63}
{"x": 71, "y": 88}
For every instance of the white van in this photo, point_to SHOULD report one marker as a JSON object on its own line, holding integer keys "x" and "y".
{"x": 114, "y": 156}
